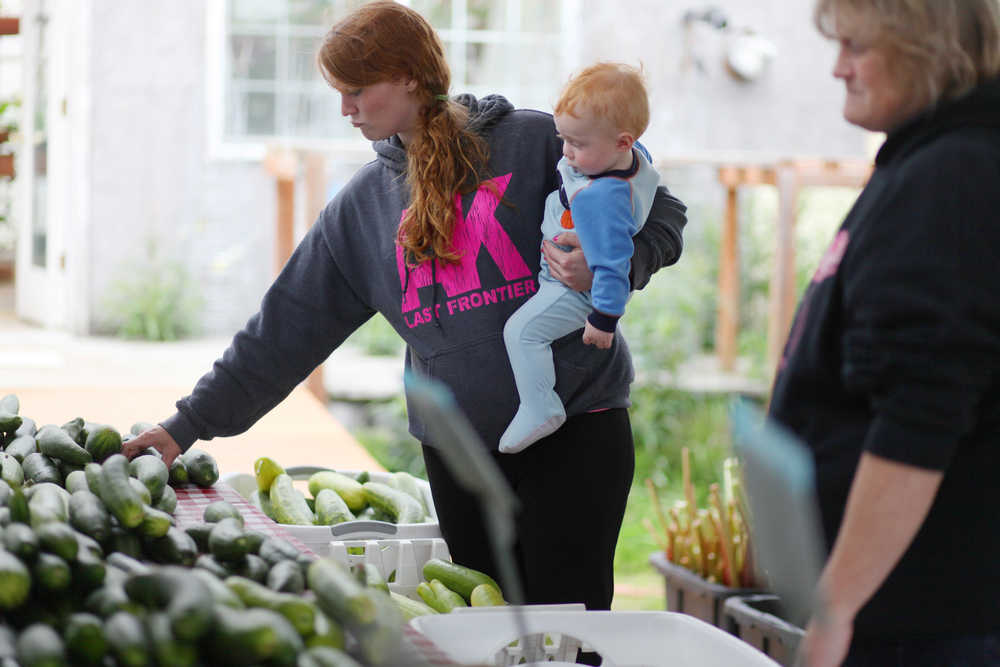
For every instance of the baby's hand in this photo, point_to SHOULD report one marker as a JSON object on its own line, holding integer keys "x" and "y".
{"x": 594, "y": 336}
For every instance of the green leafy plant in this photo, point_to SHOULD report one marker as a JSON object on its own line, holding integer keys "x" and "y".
{"x": 155, "y": 299}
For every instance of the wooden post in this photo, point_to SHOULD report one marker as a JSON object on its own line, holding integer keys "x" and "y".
{"x": 782, "y": 290}
{"x": 315, "y": 168}
{"x": 7, "y": 165}
{"x": 10, "y": 25}
{"x": 728, "y": 307}
{"x": 282, "y": 165}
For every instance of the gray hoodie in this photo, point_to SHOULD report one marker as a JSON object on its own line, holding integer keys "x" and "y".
{"x": 348, "y": 267}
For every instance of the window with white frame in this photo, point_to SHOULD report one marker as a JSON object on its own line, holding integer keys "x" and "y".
{"x": 272, "y": 90}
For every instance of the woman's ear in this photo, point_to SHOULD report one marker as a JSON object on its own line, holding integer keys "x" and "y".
{"x": 411, "y": 85}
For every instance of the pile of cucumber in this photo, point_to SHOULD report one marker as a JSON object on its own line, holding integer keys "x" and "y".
{"x": 337, "y": 497}
{"x": 94, "y": 571}
{"x": 448, "y": 586}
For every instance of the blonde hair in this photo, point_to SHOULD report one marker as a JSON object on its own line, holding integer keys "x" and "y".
{"x": 386, "y": 41}
{"x": 944, "y": 48}
{"x": 612, "y": 91}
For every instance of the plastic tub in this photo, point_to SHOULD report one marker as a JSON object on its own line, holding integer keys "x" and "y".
{"x": 319, "y": 538}
{"x": 690, "y": 594}
{"x": 621, "y": 638}
{"x": 758, "y": 620}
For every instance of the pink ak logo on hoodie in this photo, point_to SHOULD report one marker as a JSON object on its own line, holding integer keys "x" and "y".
{"x": 474, "y": 231}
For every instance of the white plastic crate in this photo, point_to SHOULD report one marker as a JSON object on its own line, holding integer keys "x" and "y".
{"x": 401, "y": 560}
{"x": 622, "y": 638}
{"x": 319, "y": 538}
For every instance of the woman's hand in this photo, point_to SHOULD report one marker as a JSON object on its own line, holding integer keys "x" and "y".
{"x": 568, "y": 267}
{"x": 156, "y": 437}
{"x": 826, "y": 642}
{"x": 594, "y": 336}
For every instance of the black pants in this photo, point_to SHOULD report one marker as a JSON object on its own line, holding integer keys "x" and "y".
{"x": 573, "y": 486}
{"x": 972, "y": 651}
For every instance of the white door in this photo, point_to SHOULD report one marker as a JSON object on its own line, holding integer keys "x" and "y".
{"x": 40, "y": 278}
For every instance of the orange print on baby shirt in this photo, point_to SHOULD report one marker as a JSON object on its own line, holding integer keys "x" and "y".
{"x": 566, "y": 220}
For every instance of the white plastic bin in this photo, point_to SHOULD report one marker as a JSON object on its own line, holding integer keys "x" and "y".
{"x": 319, "y": 538}
{"x": 399, "y": 560}
{"x": 622, "y": 638}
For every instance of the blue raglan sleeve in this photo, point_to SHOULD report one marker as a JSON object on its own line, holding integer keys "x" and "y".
{"x": 308, "y": 311}
{"x": 602, "y": 215}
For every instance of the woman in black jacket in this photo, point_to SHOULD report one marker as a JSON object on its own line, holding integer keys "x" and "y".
{"x": 891, "y": 373}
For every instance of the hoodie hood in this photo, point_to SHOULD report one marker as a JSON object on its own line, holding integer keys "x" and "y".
{"x": 483, "y": 115}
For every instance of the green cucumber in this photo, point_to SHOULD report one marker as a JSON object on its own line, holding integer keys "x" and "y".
{"x": 331, "y": 508}
{"x": 47, "y": 502}
{"x": 167, "y": 650}
{"x": 326, "y": 656}
{"x": 347, "y": 488}
{"x": 155, "y": 523}
{"x": 458, "y": 578}
{"x": 171, "y": 588}
{"x": 199, "y": 532}
{"x": 152, "y": 472}
{"x": 255, "y": 538}
{"x": 20, "y": 540}
{"x": 399, "y": 505}
{"x": 142, "y": 490}
{"x": 15, "y": 581}
{"x": 27, "y": 427}
{"x": 368, "y": 574}
{"x": 21, "y": 446}
{"x": 244, "y": 637}
{"x": 201, "y": 467}
{"x": 124, "y": 541}
{"x": 51, "y": 572}
{"x": 286, "y": 577}
{"x": 40, "y": 468}
{"x": 447, "y": 599}
{"x": 301, "y": 613}
{"x": 102, "y": 442}
{"x": 221, "y": 509}
{"x": 76, "y": 429}
{"x": 411, "y": 485}
{"x": 262, "y": 501}
{"x": 59, "y": 539}
{"x": 127, "y": 639}
{"x": 56, "y": 443}
{"x": 88, "y": 571}
{"x": 117, "y": 492}
{"x": 228, "y": 541}
{"x": 167, "y": 501}
{"x": 84, "y": 639}
{"x": 178, "y": 472}
{"x": 10, "y": 470}
{"x": 326, "y": 632}
{"x": 410, "y": 608}
{"x": 288, "y": 503}
{"x": 217, "y": 589}
{"x": 175, "y": 547}
{"x": 88, "y": 515}
{"x": 339, "y": 594}
{"x": 139, "y": 428}
{"x": 208, "y": 563}
{"x": 76, "y": 481}
{"x": 252, "y": 567}
{"x": 276, "y": 549}
{"x": 39, "y": 645}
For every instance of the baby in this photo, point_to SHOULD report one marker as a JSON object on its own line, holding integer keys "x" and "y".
{"x": 607, "y": 188}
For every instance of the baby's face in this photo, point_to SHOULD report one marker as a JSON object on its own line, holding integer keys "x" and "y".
{"x": 591, "y": 145}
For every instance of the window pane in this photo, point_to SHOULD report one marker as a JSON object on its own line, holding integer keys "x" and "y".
{"x": 486, "y": 14}
{"x": 539, "y": 16}
{"x": 490, "y": 64}
{"x": 253, "y": 57}
{"x": 302, "y": 58}
{"x": 310, "y": 12}
{"x": 437, "y": 12}
{"x": 251, "y": 114}
{"x": 256, "y": 11}
{"x": 317, "y": 115}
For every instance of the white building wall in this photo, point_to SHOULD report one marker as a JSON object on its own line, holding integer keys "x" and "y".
{"x": 793, "y": 109}
{"x": 152, "y": 182}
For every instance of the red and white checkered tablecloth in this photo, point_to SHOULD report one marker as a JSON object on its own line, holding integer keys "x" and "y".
{"x": 192, "y": 500}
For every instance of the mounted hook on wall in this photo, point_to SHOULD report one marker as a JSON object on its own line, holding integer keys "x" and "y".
{"x": 710, "y": 37}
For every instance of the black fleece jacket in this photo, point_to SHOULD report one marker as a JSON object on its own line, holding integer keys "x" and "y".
{"x": 895, "y": 350}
